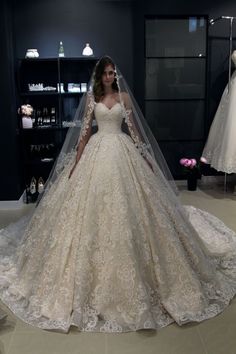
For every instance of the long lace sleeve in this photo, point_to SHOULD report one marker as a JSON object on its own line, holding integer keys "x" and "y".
{"x": 135, "y": 132}
{"x": 86, "y": 126}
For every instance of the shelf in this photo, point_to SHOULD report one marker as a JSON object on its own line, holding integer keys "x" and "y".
{"x": 56, "y": 59}
{"x": 90, "y": 58}
{"x": 72, "y": 93}
{"x": 38, "y": 59}
{"x": 40, "y": 93}
{"x": 49, "y": 93}
{"x": 51, "y": 72}
{"x": 38, "y": 162}
{"x": 43, "y": 129}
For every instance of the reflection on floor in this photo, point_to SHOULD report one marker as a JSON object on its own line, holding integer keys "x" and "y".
{"x": 214, "y": 336}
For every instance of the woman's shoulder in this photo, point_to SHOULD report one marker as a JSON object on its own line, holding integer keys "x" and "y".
{"x": 124, "y": 96}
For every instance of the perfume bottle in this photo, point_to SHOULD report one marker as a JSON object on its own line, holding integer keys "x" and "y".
{"x": 44, "y": 116}
{"x": 38, "y": 117}
{"x": 61, "y": 52}
{"x": 53, "y": 115}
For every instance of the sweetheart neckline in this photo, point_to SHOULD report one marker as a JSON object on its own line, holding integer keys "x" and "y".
{"x": 109, "y": 109}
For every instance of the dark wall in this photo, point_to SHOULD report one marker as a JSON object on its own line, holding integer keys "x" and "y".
{"x": 10, "y": 181}
{"x": 218, "y": 43}
{"x": 111, "y": 27}
{"x": 218, "y": 40}
{"x": 41, "y": 24}
{"x": 106, "y": 25}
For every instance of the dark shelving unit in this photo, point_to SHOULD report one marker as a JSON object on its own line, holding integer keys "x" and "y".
{"x": 41, "y": 144}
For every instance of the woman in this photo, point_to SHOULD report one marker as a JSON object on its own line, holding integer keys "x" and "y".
{"x": 109, "y": 247}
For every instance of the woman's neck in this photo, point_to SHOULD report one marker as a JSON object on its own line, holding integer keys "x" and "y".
{"x": 108, "y": 91}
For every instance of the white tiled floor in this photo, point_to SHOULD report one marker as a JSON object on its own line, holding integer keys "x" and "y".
{"x": 215, "y": 336}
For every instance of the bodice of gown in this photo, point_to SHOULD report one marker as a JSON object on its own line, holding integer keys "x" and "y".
{"x": 109, "y": 120}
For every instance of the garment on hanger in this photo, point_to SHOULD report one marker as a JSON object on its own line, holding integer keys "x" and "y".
{"x": 220, "y": 148}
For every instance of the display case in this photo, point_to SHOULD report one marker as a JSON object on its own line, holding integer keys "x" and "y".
{"x": 53, "y": 87}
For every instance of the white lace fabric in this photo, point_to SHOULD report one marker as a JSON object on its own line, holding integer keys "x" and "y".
{"x": 220, "y": 149}
{"x": 107, "y": 251}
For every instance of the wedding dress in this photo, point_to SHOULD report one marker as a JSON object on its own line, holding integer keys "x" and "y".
{"x": 220, "y": 149}
{"x": 109, "y": 250}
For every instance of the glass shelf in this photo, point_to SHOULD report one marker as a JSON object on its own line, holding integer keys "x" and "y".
{"x": 30, "y": 130}
{"x": 49, "y": 93}
{"x": 40, "y": 93}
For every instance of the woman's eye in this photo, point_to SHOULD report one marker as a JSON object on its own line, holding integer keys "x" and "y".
{"x": 110, "y": 73}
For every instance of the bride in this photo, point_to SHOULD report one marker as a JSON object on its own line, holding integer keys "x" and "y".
{"x": 109, "y": 247}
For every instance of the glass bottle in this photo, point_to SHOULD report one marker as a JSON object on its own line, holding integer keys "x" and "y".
{"x": 61, "y": 52}
{"x": 53, "y": 115}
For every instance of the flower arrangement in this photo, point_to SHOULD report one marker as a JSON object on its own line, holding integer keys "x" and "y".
{"x": 25, "y": 110}
{"x": 193, "y": 170}
{"x": 191, "y": 165}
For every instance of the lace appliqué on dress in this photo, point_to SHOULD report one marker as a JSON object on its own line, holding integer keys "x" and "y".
{"x": 140, "y": 145}
{"x": 88, "y": 115}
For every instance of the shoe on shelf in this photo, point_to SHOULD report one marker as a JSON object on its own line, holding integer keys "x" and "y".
{"x": 32, "y": 187}
{"x": 40, "y": 185}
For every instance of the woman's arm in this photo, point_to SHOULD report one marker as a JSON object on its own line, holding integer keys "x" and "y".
{"x": 80, "y": 148}
{"x": 83, "y": 141}
{"x": 129, "y": 119}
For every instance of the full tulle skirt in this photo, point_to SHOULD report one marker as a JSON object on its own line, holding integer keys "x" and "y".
{"x": 112, "y": 250}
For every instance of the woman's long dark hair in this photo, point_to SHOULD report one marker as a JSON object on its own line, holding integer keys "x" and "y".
{"x": 98, "y": 89}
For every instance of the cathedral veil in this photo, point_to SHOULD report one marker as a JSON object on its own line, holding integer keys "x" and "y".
{"x": 111, "y": 248}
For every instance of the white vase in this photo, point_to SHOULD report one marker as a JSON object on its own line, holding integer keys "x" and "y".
{"x": 87, "y": 51}
{"x": 27, "y": 122}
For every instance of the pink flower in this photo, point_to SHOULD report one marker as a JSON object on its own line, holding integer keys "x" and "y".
{"x": 182, "y": 161}
{"x": 188, "y": 163}
{"x": 193, "y": 163}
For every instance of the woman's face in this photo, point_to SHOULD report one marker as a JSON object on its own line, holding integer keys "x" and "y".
{"x": 108, "y": 76}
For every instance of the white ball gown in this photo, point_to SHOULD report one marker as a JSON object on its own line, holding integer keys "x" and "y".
{"x": 220, "y": 148}
{"x": 108, "y": 250}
